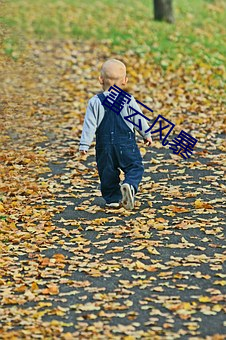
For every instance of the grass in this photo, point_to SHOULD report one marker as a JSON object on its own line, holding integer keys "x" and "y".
{"x": 198, "y": 31}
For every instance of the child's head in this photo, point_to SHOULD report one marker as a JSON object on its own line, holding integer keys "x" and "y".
{"x": 113, "y": 72}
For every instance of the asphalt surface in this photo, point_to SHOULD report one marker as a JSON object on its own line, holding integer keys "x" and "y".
{"x": 190, "y": 245}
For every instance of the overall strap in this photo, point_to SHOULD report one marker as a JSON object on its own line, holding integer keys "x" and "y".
{"x": 101, "y": 96}
{"x": 113, "y": 128}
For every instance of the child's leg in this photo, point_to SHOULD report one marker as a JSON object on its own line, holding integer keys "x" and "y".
{"x": 131, "y": 164}
{"x": 107, "y": 166}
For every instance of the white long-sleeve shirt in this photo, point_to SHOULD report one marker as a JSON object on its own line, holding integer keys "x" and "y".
{"x": 95, "y": 112}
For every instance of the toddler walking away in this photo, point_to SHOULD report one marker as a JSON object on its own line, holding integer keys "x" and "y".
{"x": 116, "y": 146}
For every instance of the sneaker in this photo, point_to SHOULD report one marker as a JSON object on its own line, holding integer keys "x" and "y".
{"x": 113, "y": 205}
{"x": 128, "y": 194}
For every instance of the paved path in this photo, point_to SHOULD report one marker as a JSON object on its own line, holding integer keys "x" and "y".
{"x": 79, "y": 271}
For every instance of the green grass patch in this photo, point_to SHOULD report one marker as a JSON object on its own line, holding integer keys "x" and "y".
{"x": 198, "y": 31}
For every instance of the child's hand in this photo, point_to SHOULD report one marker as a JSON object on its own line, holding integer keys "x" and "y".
{"x": 148, "y": 141}
{"x": 83, "y": 152}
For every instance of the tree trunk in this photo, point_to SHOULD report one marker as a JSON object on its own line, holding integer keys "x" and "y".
{"x": 163, "y": 10}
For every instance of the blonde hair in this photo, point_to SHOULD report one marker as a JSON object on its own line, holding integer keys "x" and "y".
{"x": 112, "y": 61}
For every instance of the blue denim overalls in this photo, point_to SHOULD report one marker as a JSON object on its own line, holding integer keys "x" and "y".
{"x": 116, "y": 148}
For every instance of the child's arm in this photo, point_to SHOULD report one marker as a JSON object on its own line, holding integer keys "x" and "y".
{"x": 89, "y": 128}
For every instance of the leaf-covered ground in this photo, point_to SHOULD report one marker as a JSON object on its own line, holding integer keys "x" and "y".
{"x": 69, "y": 268}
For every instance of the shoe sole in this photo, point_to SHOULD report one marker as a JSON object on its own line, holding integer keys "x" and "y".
{"x": 127, "y": 197}
{"x": 112, "y": 206}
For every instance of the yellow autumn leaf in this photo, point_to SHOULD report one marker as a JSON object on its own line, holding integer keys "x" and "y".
{"x": 204, "y": 299}
{"x": 187, "y": 306}
{"x": 59, "y": 257}
{"x": 100, "y": 221}
{"x": 140, "y": 265}
{"x": 34, "y": 286}
{"x": 160, "y": 226}
{"x": 20, "y": 289}
{"x": 55, "y": 323}
{"x": 12, "y": 225}
{"x": 217, "y": 308}
{"x": 115, "y": 250}
{"x": 128, "y": 303}
{"x": 44, "y": 304}
{"x": 153, "y": 251}
{"x": 39, "y": 314}
{"x": 202, "y": 205}
{"x": 143, "y": 151}
{"x": 158, "y": 289}
{"x": 222, "y": 282}
{"x": 198, "y": 204}
{"x": 67, "y": 336}
{"x": 155, "y": 161}
{"x": 193, "y": 326}
{"x": 53, "y": 289}
{"x": 78, "y": 239}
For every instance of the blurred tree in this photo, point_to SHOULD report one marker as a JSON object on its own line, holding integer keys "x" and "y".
{"x": 163, "y": 10}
